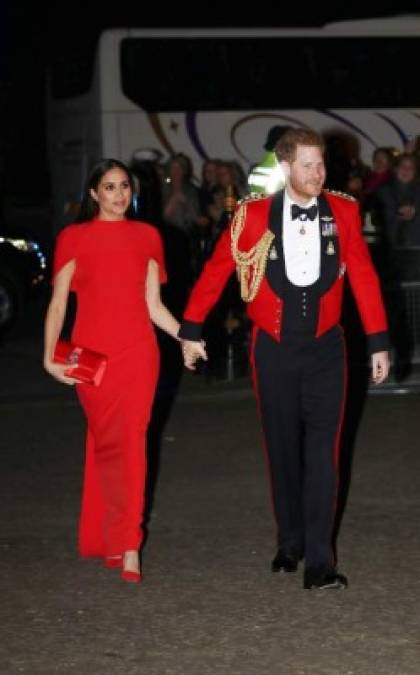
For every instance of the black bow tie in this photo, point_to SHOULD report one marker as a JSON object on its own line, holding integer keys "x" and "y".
{"x": 303, "y": 214}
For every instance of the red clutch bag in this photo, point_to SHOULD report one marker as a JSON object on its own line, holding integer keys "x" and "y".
{"x": 84, "y": 364}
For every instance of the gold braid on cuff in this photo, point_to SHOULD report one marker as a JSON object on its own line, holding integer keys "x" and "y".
{"x": 250, "y": 265}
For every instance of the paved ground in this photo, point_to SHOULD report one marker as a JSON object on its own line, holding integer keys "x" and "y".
{"x": 209, "y": 604}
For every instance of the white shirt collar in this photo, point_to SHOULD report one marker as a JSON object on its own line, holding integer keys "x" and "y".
{"x": 288, "y": 201}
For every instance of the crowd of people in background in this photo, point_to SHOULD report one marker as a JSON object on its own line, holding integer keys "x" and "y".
{"x": 389, "y": 197}
{"x": 388, "y": 189}
{"x": 190, "y": 216}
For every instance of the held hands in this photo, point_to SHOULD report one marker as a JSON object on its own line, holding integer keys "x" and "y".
{"x": 191, "y": 351}
{"x": 57, "y": 371}
{"x": 380, "y": 367}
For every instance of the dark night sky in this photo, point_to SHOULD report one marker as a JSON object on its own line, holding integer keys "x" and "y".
{"x": 31, "y": 36}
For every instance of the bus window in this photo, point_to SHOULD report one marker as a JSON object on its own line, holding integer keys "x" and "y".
{"x": 251, "y": 74}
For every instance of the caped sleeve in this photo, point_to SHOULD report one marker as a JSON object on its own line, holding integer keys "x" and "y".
{"x": 65, "y": 250}
{"x": 158, "y": 255}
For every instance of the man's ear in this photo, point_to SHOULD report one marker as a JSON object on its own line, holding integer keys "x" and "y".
{"x": 286, "y": 168}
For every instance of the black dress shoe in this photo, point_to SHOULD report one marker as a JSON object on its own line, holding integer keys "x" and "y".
{"x": 324, "y": 579}
{"x": 285, "y": 562}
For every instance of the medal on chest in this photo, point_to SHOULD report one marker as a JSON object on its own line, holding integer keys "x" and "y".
{"x": 330, "y": 248}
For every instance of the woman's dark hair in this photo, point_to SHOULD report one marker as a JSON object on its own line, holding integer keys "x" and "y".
{"x": 89, "y": 208}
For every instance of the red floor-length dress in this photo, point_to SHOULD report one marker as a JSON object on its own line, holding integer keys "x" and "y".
{"x": 111, "y": 261}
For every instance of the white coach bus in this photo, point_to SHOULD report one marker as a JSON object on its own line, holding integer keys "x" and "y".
{"x": 216, "y": 92}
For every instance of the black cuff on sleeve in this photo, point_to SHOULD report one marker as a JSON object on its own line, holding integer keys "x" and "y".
{"x": 378, "y": 342}
{"x": 190, "y": 331}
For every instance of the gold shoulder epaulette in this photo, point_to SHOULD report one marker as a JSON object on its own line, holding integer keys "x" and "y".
{"x": 251, "y": 197}
{"x": 344, "y": 195}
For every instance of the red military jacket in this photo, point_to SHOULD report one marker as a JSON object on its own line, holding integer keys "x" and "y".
{"x": 267, "y": 307}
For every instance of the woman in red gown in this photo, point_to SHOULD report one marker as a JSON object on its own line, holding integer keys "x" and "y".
{"x": 115, "y": 265}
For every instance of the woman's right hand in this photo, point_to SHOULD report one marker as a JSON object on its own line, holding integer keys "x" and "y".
{"x": 57, "y": 371}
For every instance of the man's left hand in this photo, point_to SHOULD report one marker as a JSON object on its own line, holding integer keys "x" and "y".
{"x": 380, "y": 367}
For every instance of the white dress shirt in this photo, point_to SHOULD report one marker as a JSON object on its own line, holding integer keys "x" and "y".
{"x": 302, "y": 252}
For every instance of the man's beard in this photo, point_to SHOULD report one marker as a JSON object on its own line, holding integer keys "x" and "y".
{"x": 301, "y": 189}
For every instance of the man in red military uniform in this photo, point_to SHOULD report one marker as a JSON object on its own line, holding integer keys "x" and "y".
{"x": 292, "y": 251}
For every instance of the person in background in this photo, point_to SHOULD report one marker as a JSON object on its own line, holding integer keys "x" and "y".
{"x": 229, "y": 188}
{"x": 383, "y": 160}
{"x": 115, "y": 265}
{"x": 181, "y": 205}
{"x": 399, "y": 203}
{"x": 412, "y": 147}
{"x": 208, "y": 183}
{"x": 382, "y": 169}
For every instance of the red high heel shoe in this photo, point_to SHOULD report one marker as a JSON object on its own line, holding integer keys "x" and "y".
{"x": 131, "y": 577}
{"x": 113, "y": 562}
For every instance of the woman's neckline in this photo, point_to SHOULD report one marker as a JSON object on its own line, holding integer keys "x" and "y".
{"x": 109, "y": 222}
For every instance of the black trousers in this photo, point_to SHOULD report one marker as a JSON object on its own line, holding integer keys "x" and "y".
{"x": 301, "y": 387}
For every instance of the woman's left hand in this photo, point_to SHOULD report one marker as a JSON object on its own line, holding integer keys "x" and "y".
{"x": 57, "y": 370}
